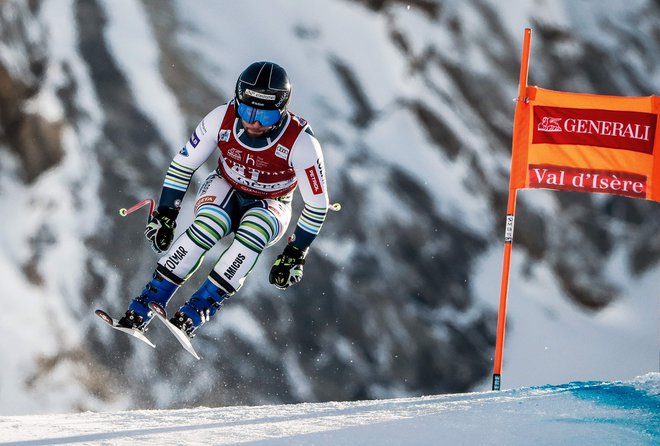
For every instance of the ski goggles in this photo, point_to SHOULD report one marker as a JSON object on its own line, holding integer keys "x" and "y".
{"x": 252, "y": 114}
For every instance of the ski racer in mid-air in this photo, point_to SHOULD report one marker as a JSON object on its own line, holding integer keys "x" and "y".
{"x": 265, "y": 153}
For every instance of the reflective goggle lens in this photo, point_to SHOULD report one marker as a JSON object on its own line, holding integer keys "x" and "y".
{"x": 252, "y": 114}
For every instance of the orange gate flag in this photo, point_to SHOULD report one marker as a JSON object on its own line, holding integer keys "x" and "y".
{"x": 587, "y": 143}
{"x": 577, "y": 142}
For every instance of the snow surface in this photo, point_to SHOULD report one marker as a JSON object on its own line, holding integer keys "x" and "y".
{"x": 620, "y": 342}
{"x": 578, "y": 413}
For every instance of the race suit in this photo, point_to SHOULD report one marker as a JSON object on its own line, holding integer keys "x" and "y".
{"x": 249, "y": 194}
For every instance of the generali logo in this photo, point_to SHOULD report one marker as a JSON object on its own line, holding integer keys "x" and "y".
{"x": 627, "y": 130}
{"x": 549, "y": 124}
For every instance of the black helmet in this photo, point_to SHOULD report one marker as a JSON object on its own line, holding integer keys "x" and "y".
{"x": 264, "y": 85}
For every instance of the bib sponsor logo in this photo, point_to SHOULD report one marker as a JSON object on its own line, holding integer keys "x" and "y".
{"x": 224, "y": 135}
{"x": 235, "y": 154}
{"x": 314, "y": 180}
{"x": 282, "y": 152}
{"x": 603, "y": 128}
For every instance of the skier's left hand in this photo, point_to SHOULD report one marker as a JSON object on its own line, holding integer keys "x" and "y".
{"x": 288, "y": 268}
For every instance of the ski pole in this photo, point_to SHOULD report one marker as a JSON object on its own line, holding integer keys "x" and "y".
{"x": 152, "y": 204}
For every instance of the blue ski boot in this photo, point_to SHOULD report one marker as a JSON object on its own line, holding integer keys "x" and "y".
{"x": 200, "y": 308}
{"x": 160, "y": 290}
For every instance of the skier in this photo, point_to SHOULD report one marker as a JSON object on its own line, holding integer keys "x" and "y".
{"x": 265, "y": 152}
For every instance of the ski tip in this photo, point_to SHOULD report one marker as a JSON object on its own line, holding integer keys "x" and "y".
{"x": 190, "y": 349}
{"x": 179, "y": 334}
{"x": 105, "y": 316}
{"x": 130, "y": 331}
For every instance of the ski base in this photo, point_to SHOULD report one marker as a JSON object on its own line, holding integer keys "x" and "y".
{"x": 180, "y": 335}
{"x": 130, "y": 331}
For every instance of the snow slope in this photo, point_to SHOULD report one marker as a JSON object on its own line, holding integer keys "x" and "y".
{"x": 584, "y": 413}
{"x": 354, "y": 335}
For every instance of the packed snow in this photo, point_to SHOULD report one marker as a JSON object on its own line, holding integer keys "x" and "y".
{"x": 577, "y": 413}
{"x": 617, "y": 343}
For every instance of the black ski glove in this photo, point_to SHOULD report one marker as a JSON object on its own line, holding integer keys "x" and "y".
{"x": 160, "y": 229}
{"x": 288, "y": 268}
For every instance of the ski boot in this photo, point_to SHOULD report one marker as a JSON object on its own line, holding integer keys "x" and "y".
{"x": 160, "y": 290}
{"x": 199, "y": 309}
{"x": 132, "y": 320}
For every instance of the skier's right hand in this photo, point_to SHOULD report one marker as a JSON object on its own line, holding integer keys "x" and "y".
{"x": 160, "y": 229}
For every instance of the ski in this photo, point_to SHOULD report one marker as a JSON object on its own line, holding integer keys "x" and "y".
{"x": 130, "y": 331}
{"x": 180, "y": 335}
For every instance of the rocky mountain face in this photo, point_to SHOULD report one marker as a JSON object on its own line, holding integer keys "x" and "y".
{"x": 386, "y": 307}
